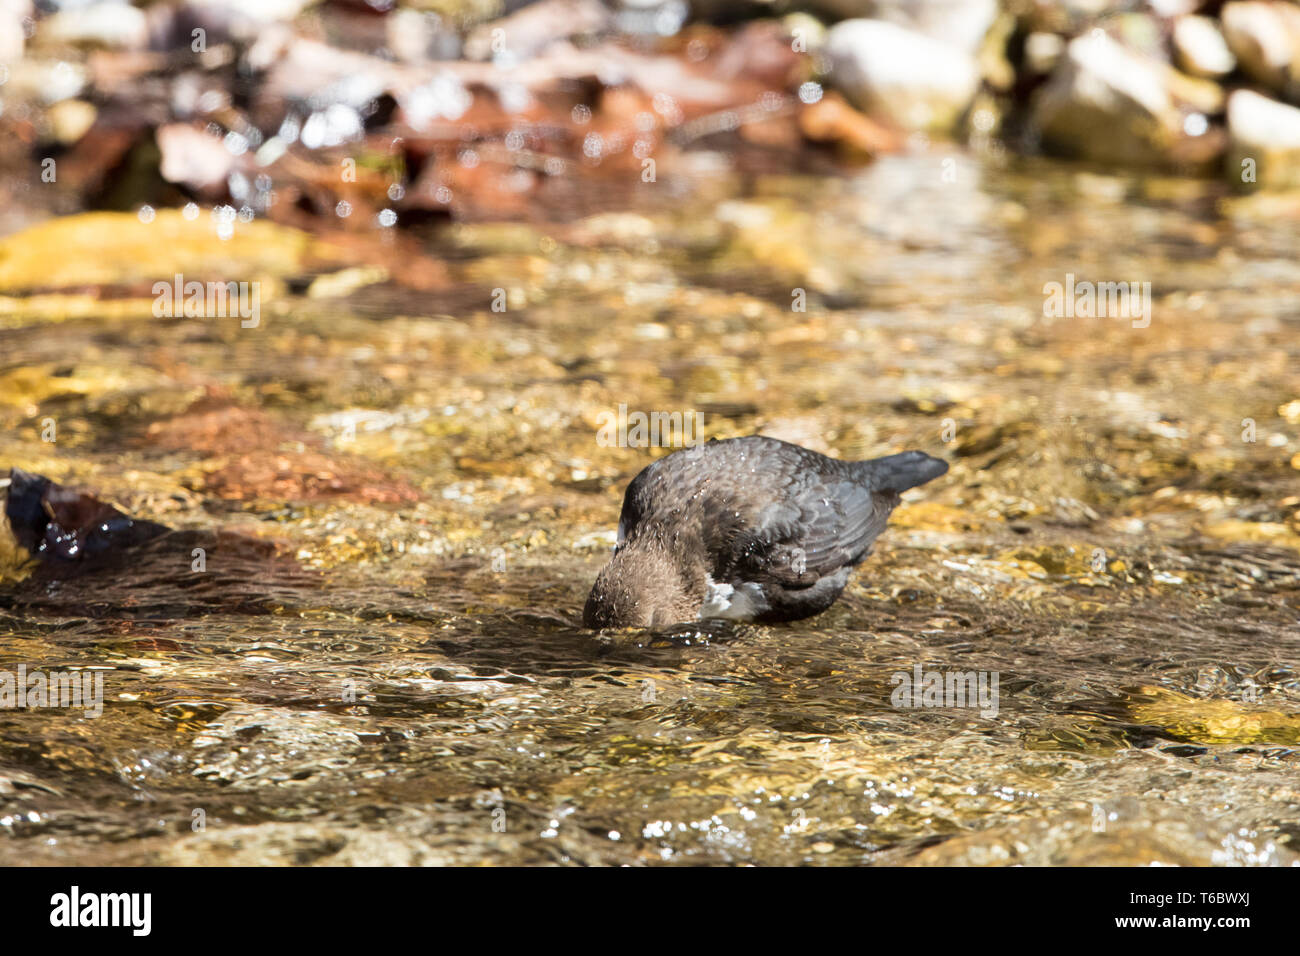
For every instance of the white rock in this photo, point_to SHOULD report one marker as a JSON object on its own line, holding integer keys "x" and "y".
{"x": 900, "y": 76}
{"x": 1107, "y": 103}
{"x": 1264, "y": 141}
{"x": 1172, "y": 8}
{"x": 1043, "y": 51}
{"x": 529, "y": 30}
{"x": 415, "y": 36}
{"x": 1265, "y": 38}
{"x": 12, "y": 35}
{"x": 192, "y": 157}
{"x": 1201, "y": 48}
{"x": 113, "y": 25}
{"x": 48, "y": 81}
{"x": 958, "y": 23}
{"x": 257, "y": 12}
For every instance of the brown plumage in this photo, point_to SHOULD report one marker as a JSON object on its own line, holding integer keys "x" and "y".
{"x": 750, "y": 529}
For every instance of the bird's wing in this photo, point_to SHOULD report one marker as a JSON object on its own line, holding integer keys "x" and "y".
{"x": 821, "y": 528}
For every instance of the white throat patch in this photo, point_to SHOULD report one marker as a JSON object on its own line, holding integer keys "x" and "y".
{"x": 736, "y": 603}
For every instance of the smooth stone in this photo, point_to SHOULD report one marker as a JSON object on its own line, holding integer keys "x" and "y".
{"x": 1106, "y": 103}
{"x": 1043, "y": 51}
{"x": 904, "y": 78}
{"x": 1265, "y": 38}
{"x": 1201, "y": 49}
{"x": 1264, "y": 140}
{"x": 117, "y": 26}
{"x": 958, "y": 23}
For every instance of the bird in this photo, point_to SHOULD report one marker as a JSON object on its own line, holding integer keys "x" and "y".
{"x": 750, "y": 529}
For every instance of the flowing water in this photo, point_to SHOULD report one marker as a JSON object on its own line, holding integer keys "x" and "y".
{"x": 362, "y": 642}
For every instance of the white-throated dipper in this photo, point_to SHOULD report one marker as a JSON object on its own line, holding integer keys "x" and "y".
{"x": 752, "y": 529}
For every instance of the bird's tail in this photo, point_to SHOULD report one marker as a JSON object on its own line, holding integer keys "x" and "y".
{"x": 899, "y": 472}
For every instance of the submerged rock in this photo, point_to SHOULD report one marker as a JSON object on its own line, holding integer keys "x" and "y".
{"x": 259, "y": 458}
{"x": 906, "y": 78}
{"x": 1118, "y": 832}
{"x": 56, "y": 523}
{"x": 118, "y": 565}
{"x": 125, "y": 248}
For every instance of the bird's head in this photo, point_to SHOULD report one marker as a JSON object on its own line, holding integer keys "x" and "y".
{"x": 642, "y": 586}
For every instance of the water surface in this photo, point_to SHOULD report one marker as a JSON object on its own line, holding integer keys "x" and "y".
{"x": 399, "y": 674}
